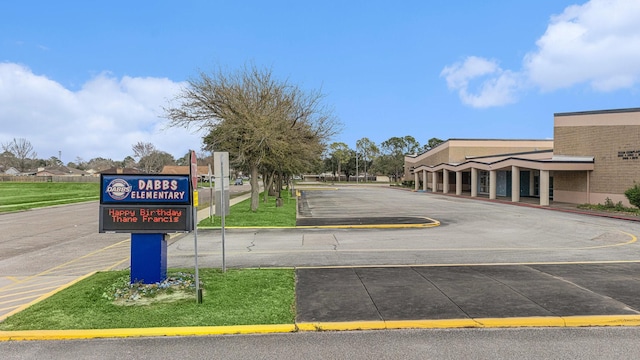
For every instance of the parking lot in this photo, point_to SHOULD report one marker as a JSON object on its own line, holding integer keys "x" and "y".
{"x": 471, "y": 232}
{"x": 484, "y": 264}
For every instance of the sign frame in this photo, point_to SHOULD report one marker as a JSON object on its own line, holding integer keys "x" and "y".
{"x": 139, "y": 193}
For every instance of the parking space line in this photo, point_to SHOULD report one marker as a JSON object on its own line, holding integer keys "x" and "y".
{"x": 59, "y": 277}
{"x": 27, "y": 292}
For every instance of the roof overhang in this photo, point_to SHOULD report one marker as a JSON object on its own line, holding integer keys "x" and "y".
{"x": 554, "y": 163}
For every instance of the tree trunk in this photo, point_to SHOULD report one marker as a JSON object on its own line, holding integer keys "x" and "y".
{"x": 255, "y": 192}
{"x": 268, "y": 185}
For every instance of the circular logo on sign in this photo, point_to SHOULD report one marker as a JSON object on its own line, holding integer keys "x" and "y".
{"x": 118, "y": 189}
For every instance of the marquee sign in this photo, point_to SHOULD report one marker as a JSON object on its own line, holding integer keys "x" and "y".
{"x": 145, "y": 203}
{"x": 145, "y": 219}
{"x": 136, "y": 189}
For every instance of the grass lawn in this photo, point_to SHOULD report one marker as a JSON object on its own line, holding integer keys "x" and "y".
{"x": 237, "y": 297}
{"x": 268, "y": 215}
{"x": 16, "y": 196}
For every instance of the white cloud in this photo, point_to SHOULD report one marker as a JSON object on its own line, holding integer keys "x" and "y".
{"x": 597, "y": 43}
{"x": 102, "y": 119}
{"x": 496, "y": 86}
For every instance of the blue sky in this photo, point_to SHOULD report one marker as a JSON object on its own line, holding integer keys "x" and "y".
{"x": 89, "y": 78}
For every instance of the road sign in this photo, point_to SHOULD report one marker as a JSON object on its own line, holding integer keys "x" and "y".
{"x": 194, "y": 170}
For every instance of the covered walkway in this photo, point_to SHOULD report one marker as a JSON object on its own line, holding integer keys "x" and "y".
{"x": 517, "y": 176}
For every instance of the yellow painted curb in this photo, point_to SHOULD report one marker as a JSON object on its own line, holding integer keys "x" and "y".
{"x": 432, "y": 324}
{"x": 433, "y": 223}
{"x": 122, "y": 333}
{"x": 549, "y": 321}
{"x": 603, "y": 320}
{"x": 533, "y": 321}
{"x": 342, "y": 326}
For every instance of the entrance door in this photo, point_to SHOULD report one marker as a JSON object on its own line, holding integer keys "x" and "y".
{"x": 483, "y": 182}
{"x": 524, "y": 183}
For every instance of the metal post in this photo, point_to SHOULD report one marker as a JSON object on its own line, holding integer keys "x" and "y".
{"x": 195, "y": 244}
{"x": 357, "y": 164}
{"x": 222, "y": 201}
{"x": 210, "y": 195}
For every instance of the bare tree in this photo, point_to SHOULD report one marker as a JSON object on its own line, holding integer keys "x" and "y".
{"x": 263, "y": 123}
{"x": 100, "y": 164}
{"x": 22, "y": 150}
{"x": 153, "y": 162}
{"x": 142, "y": 149}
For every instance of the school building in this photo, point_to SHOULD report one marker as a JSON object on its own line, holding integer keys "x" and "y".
{"x": 594, "y": 155}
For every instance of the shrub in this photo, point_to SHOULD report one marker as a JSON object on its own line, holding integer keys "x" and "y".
{"x": 633, "y": 195}
{"x": 608, "y": 203}
{"x": 408, "y": 183}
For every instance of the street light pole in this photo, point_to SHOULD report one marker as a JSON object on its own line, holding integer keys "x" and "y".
{"x": 356, "y": 164}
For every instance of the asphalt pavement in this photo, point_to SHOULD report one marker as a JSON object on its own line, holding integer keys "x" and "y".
{"x": 545, "y": 295}
{"x": 524, "y": 294}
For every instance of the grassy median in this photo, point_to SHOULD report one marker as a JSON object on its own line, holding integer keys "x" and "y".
{"x": 237, "y": 297}
{"x": 15, "y": 196}
{"x": 268, "y": 214}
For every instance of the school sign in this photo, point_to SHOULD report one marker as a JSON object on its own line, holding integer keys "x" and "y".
{"x": 145, "y": 204}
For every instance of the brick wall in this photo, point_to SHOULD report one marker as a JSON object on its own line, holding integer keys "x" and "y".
{"x": 616, "y": 151}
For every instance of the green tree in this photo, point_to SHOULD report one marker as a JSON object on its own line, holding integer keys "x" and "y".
{"x": 54, "y": 161}
{"x": 265, "y": 124}
{"x": 367, "y": 150}
{"x": 340, "y": 153}
{"x": 433, "y": 142}
{"x": 396, "y": 148}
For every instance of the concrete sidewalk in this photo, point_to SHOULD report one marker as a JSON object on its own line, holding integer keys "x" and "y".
{"x": 513, "y": 295}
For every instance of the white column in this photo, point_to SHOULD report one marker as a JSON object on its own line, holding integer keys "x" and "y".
{"x": 493, "y": 178}
{"x": 474, "y": 182}
{"x": 544, "y": 187}
{"x": 416, "y": 180}
{"x": 424, "y": 180}
{"x": 458, "y": 182}
{"x": 532, "y": 182}
{"x": 515, "y": 184}
{"x": 434, "y": 182}
{"x": 445, "y": 181}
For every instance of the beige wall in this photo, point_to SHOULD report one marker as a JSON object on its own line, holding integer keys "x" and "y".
{"x": 570, "y": 187}
{"x": 457, "y": 151}
{"x": 613, "y": 139}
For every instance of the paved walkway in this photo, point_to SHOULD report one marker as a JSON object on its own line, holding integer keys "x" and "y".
{"x": 545, "y": 294}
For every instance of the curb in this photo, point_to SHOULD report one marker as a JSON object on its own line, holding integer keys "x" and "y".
{"x": 479, "y": 323}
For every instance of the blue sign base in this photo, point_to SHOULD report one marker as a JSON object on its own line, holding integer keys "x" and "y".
{"x": 148, "y": 258}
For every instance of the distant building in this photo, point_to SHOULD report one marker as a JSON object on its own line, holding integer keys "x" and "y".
{"x": 60, "y": 171}
{"x": 203, "y": 171}
{"x": 119, "y": 170}
{"x": 12, "y": 171}
{"x": 595, "y": 155}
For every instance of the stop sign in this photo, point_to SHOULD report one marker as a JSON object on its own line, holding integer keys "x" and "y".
{"x": 194, "y": 170}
